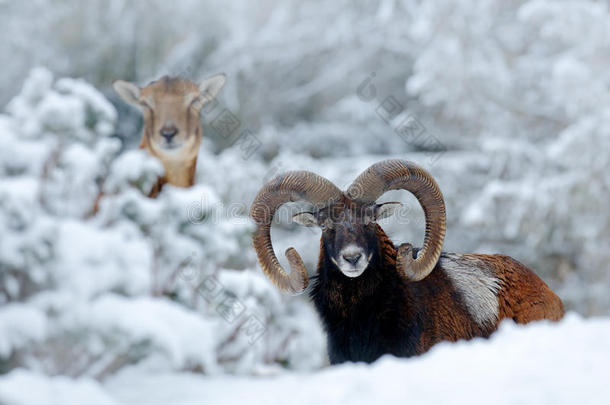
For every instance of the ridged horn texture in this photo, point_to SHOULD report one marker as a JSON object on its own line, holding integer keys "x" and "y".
{"x": 291, "y": 186}
{"x": 399, "y": 174}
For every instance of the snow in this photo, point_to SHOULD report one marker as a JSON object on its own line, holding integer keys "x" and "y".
{"x": 184, "y": 339}
{"x": 20, "y": 325}
{"x": 24, "y": 387}
{"x": 162, "y": 300}
{"x": 134, "y": 167}
{"x": 85, "y": 254}
{"x": 544, "y": 363}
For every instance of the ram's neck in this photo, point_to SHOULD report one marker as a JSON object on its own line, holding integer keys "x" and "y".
{"x": 370, "y": 315}
{"x": 386, "y": 250}
{"x": 180, "y": 173}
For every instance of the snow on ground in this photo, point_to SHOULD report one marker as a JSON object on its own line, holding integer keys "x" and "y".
{"x": 545, "y": 363}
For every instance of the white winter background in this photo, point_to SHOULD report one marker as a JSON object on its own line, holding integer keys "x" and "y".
{"x": 505, "y": 102}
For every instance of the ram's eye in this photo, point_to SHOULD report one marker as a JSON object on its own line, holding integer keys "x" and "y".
{"x": 368, "y": 217}
{"x": 325, "y": 225}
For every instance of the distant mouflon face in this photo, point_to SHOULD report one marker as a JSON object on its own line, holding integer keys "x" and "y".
{"x": 171, "y": 114}
{"x": 348, "y": 232}
{"x": 171, "y": 107}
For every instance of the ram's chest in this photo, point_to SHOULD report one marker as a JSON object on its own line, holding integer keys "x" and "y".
{"x": 364, "y": 329}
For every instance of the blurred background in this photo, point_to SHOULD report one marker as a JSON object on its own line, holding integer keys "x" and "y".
{"x": 505, "y": 102}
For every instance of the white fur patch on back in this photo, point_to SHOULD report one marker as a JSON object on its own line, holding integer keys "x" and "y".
{"x": 476, "y": 283}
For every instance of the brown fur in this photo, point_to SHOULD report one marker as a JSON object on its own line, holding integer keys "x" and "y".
{"x": 523, "y": 297}
{"x": 411, "y": 317}
{"x": 445, "y": 317}
{"x": 172, "y": 128}
{"x": 166, "y": 97}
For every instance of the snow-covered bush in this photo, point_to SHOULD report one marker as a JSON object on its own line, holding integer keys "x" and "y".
{"x": 95, "y": 276}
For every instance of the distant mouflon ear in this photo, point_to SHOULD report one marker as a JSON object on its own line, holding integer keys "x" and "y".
{"x": 129, "y": 92}
{"x": 305, "y": 219}
{"x": 209, "y": 88}
{"x": 385, "y": 210}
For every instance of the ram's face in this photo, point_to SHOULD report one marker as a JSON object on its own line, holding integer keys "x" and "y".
{"x": 348, "y": 232}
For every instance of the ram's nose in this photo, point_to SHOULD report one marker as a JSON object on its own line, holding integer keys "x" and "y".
{"x": 169, "y": 132}
{"x": 352, "y": 258}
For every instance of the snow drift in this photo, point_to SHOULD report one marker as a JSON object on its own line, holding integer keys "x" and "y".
{"x": 543, "y": 363}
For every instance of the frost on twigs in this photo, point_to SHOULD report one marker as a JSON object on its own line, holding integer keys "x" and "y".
{"x": 85, "y": 294}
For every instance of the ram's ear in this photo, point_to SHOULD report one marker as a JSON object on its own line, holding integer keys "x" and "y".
{"x": 129, "y": 92}
{"x": 210, "y": 87}
{"x": 305, "y": 219}
{"x": 385, "y": 210}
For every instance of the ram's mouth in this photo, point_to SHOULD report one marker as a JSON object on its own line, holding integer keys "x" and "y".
{"x": 352, "y": 272}
{"x": 353, "y": 268}
{"x": 170, "y": 146}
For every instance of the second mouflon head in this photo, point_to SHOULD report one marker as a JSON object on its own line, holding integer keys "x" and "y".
{"x": 172, "y": 127}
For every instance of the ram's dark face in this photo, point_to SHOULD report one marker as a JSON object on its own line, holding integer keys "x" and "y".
{"x": 348, "y": 232}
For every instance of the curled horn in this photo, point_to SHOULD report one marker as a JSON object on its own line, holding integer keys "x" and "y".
{"x": 292, "y": 186}
{"x": 403, "y": 175}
